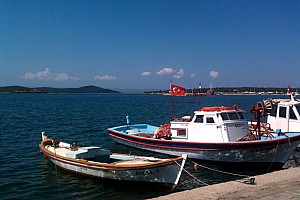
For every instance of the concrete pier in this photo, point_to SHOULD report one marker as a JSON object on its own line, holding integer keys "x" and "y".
{"x": 283, "y": 184}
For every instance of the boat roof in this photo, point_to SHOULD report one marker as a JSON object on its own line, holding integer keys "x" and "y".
{"x": 218, "y": 109}
{"x": 286, "y": 102}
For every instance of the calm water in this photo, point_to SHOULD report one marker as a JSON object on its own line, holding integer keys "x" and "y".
{"x": 84, "y": 118}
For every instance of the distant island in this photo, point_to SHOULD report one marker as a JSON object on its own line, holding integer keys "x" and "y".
{"x": 84, "y": 89}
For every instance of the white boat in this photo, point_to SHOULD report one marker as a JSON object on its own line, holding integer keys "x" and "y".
{"x": 217, "y": 134}
{"x": 284, "y": 114}
{"x": 101, "y": 163}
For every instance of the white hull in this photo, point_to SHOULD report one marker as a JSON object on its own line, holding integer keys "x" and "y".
{"x": 276, "y": 154}
{"x": 100, "y": 163}
{"x": 165, "y": 174}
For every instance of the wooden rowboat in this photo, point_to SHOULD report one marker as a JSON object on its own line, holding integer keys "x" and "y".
{"x": 101, "y": 163}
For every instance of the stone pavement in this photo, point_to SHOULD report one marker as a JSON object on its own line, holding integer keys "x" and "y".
{"x": 283, "y": 184}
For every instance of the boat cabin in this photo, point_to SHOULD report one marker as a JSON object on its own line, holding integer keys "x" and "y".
{"x": 211, "y": 124}
{"x": 285, "y": 115}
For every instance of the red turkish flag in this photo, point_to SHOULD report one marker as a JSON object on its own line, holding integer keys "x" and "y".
{"x": 177, "y": 90}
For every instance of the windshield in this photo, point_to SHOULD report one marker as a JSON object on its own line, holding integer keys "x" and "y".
{"x": 232, "y": 116}
{"x": 298, "y": 108}
{"x": 241, "y": 115}
{"x": 224, "y": 116}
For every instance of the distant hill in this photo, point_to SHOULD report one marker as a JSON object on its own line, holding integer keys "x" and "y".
{"x": 84, "y": 89}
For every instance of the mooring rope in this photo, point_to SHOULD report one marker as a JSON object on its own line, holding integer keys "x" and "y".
{"x": 297, "y": 163}
{"x": 229, "y": 173}
{"x": 274, "y": 155}
{"x": 247, "y": 179}
{"x": 195, "y": 178}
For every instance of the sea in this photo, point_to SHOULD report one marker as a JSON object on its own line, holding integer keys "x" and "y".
{"x": 84, "y": 118}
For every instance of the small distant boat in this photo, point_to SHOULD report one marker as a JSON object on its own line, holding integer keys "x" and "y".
{"x": 101, "y": 163}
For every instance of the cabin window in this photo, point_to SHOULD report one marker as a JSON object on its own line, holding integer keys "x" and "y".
{"x": 199, "y": 119}
{"x": 282, "y": 112}
{"x": 292, "y": 113}
{"x": 298, "y": 108}
{"x": 233, "y": 116}
{"x": 224, "y": 116}
{"x": 210, "y": 120}
{"x": 181, "y": 132}
{"x": 241, "y": 115}
{"x": 274, "y": 110}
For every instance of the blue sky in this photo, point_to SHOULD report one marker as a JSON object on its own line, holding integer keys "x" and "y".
{"x": 144, "y": 44}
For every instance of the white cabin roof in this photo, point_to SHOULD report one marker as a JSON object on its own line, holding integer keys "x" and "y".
{"x": 285, "y": 102}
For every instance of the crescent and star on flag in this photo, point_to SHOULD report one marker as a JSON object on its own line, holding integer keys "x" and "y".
{"x": 177, "y": 90}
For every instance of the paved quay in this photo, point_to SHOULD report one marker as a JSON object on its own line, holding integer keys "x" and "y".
{"x": 283, "y": 184}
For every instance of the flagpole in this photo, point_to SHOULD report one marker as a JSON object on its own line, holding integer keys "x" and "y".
{"x": 171, "y": 100}
{"x": 178, "y": 91}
